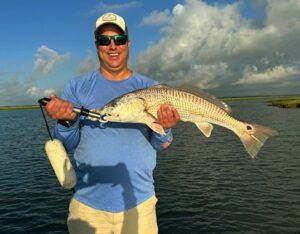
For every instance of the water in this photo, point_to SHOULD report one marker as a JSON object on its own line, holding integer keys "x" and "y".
{"x": 203, "y": 185}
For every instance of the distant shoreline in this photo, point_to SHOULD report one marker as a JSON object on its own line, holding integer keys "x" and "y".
{"x": 279, "y": 101}
{"x": 26, "y": 107}
{"x": 286, "y": 103}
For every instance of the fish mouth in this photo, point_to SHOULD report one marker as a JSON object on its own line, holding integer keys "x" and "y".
{"x": 108, "y": 118}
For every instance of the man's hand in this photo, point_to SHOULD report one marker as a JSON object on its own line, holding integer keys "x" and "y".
{"x": 167, "y": 116}
{"x": 60, "y": 109}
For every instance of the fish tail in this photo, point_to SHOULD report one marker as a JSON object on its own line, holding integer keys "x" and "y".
{"x": 254, "y": 136}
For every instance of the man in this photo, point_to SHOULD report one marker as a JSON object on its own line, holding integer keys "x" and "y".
{"x": 114, "y": 161}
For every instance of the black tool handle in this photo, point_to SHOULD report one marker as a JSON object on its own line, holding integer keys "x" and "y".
{"x": 82, "y": 111}
{"x": 44, "y": 101}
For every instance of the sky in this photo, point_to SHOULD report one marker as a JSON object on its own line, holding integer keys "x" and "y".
{"x": 224, "y": 47}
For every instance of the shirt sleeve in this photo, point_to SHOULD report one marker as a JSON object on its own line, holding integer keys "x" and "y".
{"x": 160, "y": 142}
{"x": 69, "y": 136}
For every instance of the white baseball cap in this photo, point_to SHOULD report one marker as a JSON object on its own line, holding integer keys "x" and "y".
{"x": 111, "y": 18}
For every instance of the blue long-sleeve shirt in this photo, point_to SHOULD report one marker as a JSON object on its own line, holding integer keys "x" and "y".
{"x": 114, "y": 161}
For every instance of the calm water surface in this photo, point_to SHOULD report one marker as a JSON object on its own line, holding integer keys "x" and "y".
{"x": 203, "y": 185}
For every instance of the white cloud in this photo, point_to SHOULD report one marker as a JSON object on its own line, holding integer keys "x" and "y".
{"x": 276, "y": 74}
{"x": 87, "y": 64}
{"x": 157, "y": 18}
{"x": 10, "y": 89}
{"x": 213, "y": 45}
{"x": 23, "y": 89}
{"x": 46, "y": 60}
{"x": 14, "y": 91}
{"x": 178, "y": 9}
{"x": 36, "y": 92}
{"x": 104, "y": 7}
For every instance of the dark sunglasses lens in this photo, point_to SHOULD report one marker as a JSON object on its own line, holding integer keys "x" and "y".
{"x": 103, "y": 40}
{"x": 120, "y": 39}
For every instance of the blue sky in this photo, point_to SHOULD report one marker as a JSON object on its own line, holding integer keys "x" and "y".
{"x": 225, "y": 47}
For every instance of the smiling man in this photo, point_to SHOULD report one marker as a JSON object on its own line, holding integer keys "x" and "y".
{"x": 114, "y": 161}
{"x": 113, "y": 47}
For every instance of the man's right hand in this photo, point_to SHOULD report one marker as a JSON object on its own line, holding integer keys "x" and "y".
{"x": 60, "y": 109}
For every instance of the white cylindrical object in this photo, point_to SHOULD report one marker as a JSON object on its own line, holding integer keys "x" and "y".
{"x": 61, "y": 163}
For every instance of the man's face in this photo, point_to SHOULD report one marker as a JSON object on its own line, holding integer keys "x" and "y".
{"x": 113, "y": 58}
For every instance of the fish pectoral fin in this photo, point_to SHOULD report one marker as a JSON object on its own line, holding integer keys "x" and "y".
{"x": 150, "y": 121}
{"x": 205, "y": 127}
{"x": 145, "y": 103}
{"x": 156, "y": 128}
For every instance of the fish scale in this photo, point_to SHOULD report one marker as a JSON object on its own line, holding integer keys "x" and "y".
{"x": 141, "y": 106}
{"x": 188, "y": 105}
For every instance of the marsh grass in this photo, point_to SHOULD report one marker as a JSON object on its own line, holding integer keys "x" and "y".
{"x": 291, "y": 102}
{"x": 279, "y": 101}
{"x": 27, "y": 107}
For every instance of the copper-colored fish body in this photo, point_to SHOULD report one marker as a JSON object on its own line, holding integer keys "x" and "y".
{"x": 141, "y": 106}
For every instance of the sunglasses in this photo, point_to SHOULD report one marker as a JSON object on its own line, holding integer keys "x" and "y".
{"x": 105, "y": 40}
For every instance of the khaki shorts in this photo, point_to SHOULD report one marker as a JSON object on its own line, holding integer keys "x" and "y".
{"x": 139, "y": 220}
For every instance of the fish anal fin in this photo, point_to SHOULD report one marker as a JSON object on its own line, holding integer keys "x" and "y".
{"x": 150, "y": 121}
{"x": 205, "y": 127}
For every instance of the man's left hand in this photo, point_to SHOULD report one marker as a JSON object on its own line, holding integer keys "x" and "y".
{"x": 167, "y": 116}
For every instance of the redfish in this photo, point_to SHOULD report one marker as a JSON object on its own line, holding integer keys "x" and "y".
{"x": 141, "y": 106}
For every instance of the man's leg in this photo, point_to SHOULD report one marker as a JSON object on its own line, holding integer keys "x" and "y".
{"x": 86, "y": 220}
{"x": 138, "y": 220}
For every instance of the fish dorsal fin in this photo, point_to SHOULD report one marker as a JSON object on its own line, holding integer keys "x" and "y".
{"x": 202, "y": 94}
{"x": 159, "y": 86}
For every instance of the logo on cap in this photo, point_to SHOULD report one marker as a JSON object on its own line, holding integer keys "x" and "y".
{"x": 109, "y": 17}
